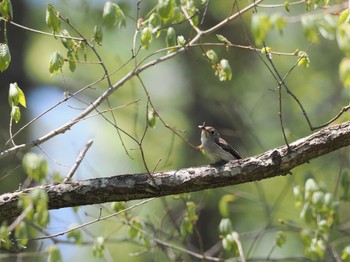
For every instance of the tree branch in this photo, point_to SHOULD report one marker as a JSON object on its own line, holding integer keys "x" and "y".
{"x": 275, "y": 162}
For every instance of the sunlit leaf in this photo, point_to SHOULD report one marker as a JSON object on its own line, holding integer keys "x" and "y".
{"x": 6, "y": 10}
{"x": 56, "y": 63}
{"x": 146, "y": 37}
{"x": 52, "y": 19}
{"x": 5, "y": 57}
{"x": 16, "y": 113}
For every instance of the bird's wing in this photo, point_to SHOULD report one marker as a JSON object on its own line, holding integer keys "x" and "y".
{"x": 229, "y": 148}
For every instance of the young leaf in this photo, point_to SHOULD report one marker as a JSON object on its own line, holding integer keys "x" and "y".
{"x": 152, "y": 118}
{"x": 52, "y": 19}
{"x": 5, "y": 57}
{"x": 109, "y": 15}
{"x": 146, "y": 37}
{"x": 280, "y": 238}
{"x": 71, "y": 60}
{"x": 35, "y": 166}
{"x": 98, "y": 35}
{"x": 260, "y": 25}
{"x": 16, "y": 113}
{"x": 113, "y": 14}
{"x": 212, "y": 56}
{"x": 6, "y": 9}
{"x": 165, "y": 9}
{"x": 54, "y": 254}
{"x": 56, "y": 63}
{"x": 16, "y": 95}
{"x": 170, "y": 39}
{"x": 225, "y": 72}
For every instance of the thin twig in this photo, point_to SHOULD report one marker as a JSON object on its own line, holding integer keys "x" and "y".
{"x": 100, "y": 218}
{"x": 78, "y": 161}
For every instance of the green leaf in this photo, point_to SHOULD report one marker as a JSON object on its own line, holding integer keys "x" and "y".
{"x": 280, "y": 238}
{"x": 345, "y": 184}
{"x": 16, "y": 113}
{"x": 155, "y": 22}
{"x": 146, "y": 37}
{"x": 112, "y": 14}
{"x": 68, "y": 43}
{"x": 117, "y": 206}
{"x": 6, "y": 10}
{"x": 303, "y": 59}
{"x": 345, "y": 256}
{"x": 191, "y": 211}
{"x": 224, "y": 70}
{"x": 35, "y": 166}
{"x": 279, "y": 22}
{"x": 344, "y": 17}
{"x": 181, "y": 41}
{"x": 5, "y": 57}
{"x": 170, "y": 39}
{"x": 212, "y": 56}
{"x": 71, "y": 61}
{"x": 225, "y": 226}
{"x": 54, "y": 254}
{"x": 223, "y": 39}
{"x": 260, "y": 25}
{"x": 99, "y": 246}
{"x": 306, "y": 213}
{"x": 135, "y": 226}
{"x": 327, "y": 27}
{"x": 310, "y": 28}
{"x": 224, "y": 204}
{"x": 76, "y": 235}
{"x": 151, "y": 118}
{"x": 311, "y": 186}
{"x": 16, "y": 95}
{"x": 343, "y": 37}
{"x": 56, "y": 63}
{"x": 186, "y": 227}
{"x": 165, "y": 9}
{"x": 98, "y": 35}
{"x": 5, "y": 236}
{"x": 52, "y": 19}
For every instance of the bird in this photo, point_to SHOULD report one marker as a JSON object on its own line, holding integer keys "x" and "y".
{"x": 215, "y": 147}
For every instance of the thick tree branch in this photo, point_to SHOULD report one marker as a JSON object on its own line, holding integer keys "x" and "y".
{"x": 126, "y": 187}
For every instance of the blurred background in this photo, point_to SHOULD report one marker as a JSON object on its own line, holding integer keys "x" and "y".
{"x": 185, "y": 93}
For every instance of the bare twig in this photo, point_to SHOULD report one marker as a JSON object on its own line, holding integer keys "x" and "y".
{"x": 78, "y": 161}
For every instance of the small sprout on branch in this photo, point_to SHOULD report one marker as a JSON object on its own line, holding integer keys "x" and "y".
{"x": 181, "y": 41}
{"x": 304, "y": 59}
{"x": 152, "y": 118}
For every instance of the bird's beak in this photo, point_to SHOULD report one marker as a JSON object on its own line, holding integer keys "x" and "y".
{"x": 202, "y": 127}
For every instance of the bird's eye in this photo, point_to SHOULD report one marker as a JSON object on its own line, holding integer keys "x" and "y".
{"x": 212, "y": 132}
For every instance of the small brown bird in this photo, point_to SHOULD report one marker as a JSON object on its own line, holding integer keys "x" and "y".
{"x": 216, "y": 148}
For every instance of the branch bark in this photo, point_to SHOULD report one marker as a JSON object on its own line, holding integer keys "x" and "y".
{"x": 275, "y": 162}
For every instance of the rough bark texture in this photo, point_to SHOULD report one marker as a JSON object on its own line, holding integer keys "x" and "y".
{"x": 126, "y": 187}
